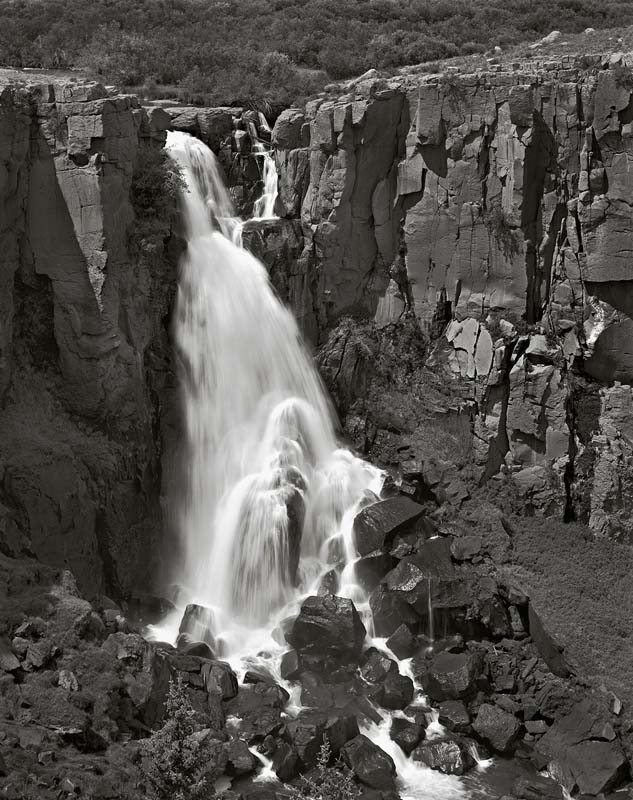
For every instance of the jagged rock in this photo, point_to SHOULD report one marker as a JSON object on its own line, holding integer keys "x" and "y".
{"x": 406, "y": 734}
{"x": 389, "y": 612}
{"x": 497, "y": 727}
{"x": 402, "y": 642}
{"x": 329, "y": 625}
{"x": 454, "y": 716}
{"x": 397, "y": 691}
{"x": 371, "y": 765}
{"x": 444, "y": 755}
{"x": 580, "y": 747}
{"x": 376, "y": 666}
{"x": 452, "y": 676}
{"x": 285, "y": 762}
{"x": 376, "y": 525}
{"x": 287, "y": 133}
{"x": 290, "y": 667}
{"x": 240, "y": 760}
{"x": 551, "y": 651}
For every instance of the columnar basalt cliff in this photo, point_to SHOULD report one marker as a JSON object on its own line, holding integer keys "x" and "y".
{"x": 495, "y": 209}
{"x": 85, "y": 362}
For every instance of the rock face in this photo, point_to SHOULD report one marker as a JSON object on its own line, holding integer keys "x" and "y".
{"x": 85, "y": 372}
{"x": 493, "y": 208}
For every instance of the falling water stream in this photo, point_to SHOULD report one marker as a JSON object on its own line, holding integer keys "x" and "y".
{"x": 271, "y": 496}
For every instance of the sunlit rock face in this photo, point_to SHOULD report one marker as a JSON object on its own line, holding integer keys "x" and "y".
{"x": 494, "y": 207}
{"x": 84, "y": 350}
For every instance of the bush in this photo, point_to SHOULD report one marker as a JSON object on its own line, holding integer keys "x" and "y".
{"x": 156, "y": 185}
{"x": 175, "y": 758}
{"x": 330, "y": 782}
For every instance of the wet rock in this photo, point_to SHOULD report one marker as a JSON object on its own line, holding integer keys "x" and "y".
{"x": 452, "y": 676}
{"x": 239, "y": 759}
{"x": 329, "y": 625}
{"x": 497, "y": 727}
{"x": 444, "y": 755}
{"x": 377, "y": 524}
{"x": 370, "y": 570}
{"x": 406, "y": 734}
{"x": 290, "y": 666}
{"x": 397, "y": 691}
{"x": 375, "y": 665}
{"x": 189, "y": 647}
{"x": 389, "y": 612}
{"x": 198, "y": 621}
{"x": 218, "y": 676}
{"x": 454, "y": 716}
{"x": 402, "y": 642}
{"x": 285, "y": 762}
{"x": 306, "y": 735}
{"x": 371, "y": 765}
{"x": 537, "y": 787}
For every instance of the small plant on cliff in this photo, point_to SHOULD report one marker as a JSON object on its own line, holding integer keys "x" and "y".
{"x": 156, "y": 184}
{"x": 330, "y": 782}
{"x": 176, "y": 758}
{"x": 499, "y": 227}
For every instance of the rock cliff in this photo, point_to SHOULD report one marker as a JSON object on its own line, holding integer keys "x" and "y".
{"x": 84, "y": 358}
{"x": 494, "y": 208}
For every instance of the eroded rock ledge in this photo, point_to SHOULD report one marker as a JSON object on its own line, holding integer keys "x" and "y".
{"x": 495, "y": 210}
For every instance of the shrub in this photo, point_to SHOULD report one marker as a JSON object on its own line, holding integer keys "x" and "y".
{"x": 330, "y": 782}
{"x": 176, "y": 757}
{"x": 156, "y": 184}
{"x": 505, "y": 235}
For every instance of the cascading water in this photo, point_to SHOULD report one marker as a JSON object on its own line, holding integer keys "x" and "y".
{"x": 271, "y": 497}
{"x": 267, "y": 482}
{"x": 264, "y": 207}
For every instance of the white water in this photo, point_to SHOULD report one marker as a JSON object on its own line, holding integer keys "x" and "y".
{"x": 260, "y": 439}
{"x": 264, "y": 208}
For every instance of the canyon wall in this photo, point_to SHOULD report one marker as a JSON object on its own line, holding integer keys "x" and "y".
{"x": 494, "y": 209}
{"x": 85, "y": 361}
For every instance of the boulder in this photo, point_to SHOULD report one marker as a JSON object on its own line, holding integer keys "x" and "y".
{"x": 286, "y": 133}
{"x": 552, "y": 652}
{"x": 328, "y": 625}
{"x": 198, "y": 621}
{"x": 397, "y": 691}
{"x": 406, "y": 734}
{"x": 218, "y": 676}
{"x": 464, "y": 548}
{"x": 389, "y": 612}
{"x": 376, "y": 525}
{"x": 285, "y": 762}
{"x": 581, "y": 747}
{"x": 371, "y": 765}
{"x": 454, "y": 716}
{"x": 240, "y": 760}
{"x": 290, "y": 666}
{"x": 452, "y": 676}
{"x": 402, "y": 642}
{"x": 497, "y": 727}
{"x": 537, "y": 787}
{"x": 375, "y": 666}
{"x": 444, "y": 755}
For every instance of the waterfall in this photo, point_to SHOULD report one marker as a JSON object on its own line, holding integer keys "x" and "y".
{"x": 267, "y": 483}
{"x": 264, "y": 207}
{"x": 271, "y": 497}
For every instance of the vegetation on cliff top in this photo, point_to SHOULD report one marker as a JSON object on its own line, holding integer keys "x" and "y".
{"x": 232, "y": 50}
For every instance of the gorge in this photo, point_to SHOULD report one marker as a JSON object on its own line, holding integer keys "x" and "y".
{"x": 454, "y": 247}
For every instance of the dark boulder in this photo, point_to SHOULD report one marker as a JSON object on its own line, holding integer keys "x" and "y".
{"x": 497, "y": 727}
{"x": 581, "y": 746}
{"x": 389, "y": 612}
{"x": 444, "y": 755}
{"x": 406, "y": 734}
{"x": 285, "y": 762}
{"x": 239, "y": 759}
{"x": 454, "y": 716}
{"x": 452, "y": 676}
{"x": 551, "y": 651}
{"x": 397, "y": 691}
{"x": 188, "y": 647}
{"x": 370, "y": 570}
{"x": 371, "y": 765}
{"x": 537, "y": 787}
{"x": 377, "y": 524}
{"x": 218, "y": 676}
{"x": 199, "y": 622}
{"x": 328, "y": 625}
{"x": 402, "y": 642}
{"x": 375, "y": 665}
{"x": 290, "y": 666}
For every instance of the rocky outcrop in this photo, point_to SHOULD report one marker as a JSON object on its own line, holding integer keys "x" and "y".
{"x": 84, "y": 352}
{"x": 493, "y": 209}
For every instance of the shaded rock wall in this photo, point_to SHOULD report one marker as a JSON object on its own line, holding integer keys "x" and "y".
{"x": 495, "y": 208}
{"x": 85, "y": 367}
